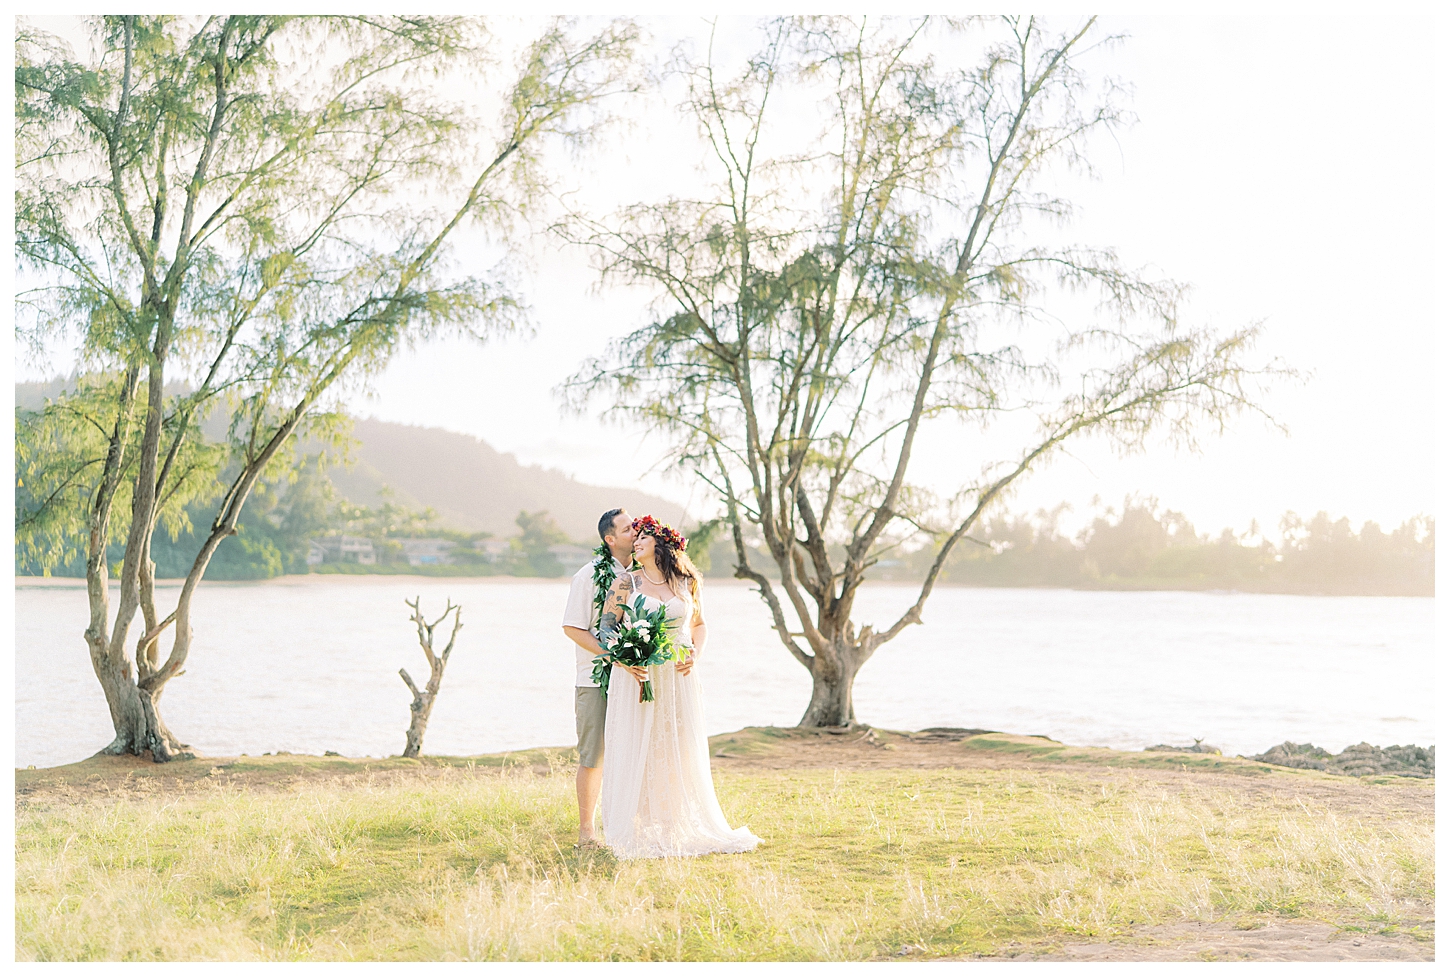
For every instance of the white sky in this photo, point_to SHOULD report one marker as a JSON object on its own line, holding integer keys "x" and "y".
{"x": 1283, "y": 166}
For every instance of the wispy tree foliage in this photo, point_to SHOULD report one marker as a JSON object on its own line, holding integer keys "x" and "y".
{"x": 260, "y": 205}
{"x": 841, "y": 288}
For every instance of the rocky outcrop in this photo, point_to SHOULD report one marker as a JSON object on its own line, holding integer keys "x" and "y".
{"x": 1360, "y": 760}
{"x": 1199, "y": 746}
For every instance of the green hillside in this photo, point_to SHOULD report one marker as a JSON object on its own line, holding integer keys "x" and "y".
{"x": 406, "y": 481}
{"x": 472, "y": 487}
{"x": 475, "y": 488}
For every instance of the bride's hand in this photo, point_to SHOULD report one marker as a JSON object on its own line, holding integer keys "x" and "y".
{"x": 638, "y": 671}
{"x": 683, "y": 667}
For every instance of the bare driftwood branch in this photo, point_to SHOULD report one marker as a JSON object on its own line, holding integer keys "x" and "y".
{"x": 423, "y": 701}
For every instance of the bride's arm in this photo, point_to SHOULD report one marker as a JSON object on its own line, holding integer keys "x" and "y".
{"x": 698, "y": 634}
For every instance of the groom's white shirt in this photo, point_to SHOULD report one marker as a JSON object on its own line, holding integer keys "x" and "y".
{"x": 579, "y": 612}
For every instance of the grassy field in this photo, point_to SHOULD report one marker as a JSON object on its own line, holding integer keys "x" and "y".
{"x": 1018, "y": 846}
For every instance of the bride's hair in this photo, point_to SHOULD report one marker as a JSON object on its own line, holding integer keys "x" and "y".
{"x": 670, "y": 556}
{"x": 676, "y": 564}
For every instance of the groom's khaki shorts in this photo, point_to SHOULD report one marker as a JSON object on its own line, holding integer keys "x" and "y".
{"x": 589, "y": 722}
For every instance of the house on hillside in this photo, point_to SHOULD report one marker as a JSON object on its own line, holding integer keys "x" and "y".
{"x": 341, "y": 549}
{"x": 491, "y": 549}
{"x": 571, "y": 555}
{"x": 420, "y": 552}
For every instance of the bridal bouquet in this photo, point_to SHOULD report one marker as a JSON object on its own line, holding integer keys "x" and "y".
{"x": 643, "y": 639}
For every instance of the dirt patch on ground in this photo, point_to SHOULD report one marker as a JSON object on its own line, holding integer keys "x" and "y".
{"x": 772, "y": 748}
{"x": 102, "y": 777}
{"x": 1271, "y": 942}
{"x": 753, "y": 749}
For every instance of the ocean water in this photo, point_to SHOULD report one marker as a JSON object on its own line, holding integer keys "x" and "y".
{"x": 307, "y": 664}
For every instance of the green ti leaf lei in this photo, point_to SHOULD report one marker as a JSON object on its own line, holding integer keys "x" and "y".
{"x": 604, "y": 576}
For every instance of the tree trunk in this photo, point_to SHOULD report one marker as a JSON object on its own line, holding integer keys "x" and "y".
{"x": 139, "y": 727}
{"x": 112, "y": 669}
{"x": 152, "y": 677}
{"x": 133, "y": 709}
{"x": 132, "y": 701}
{"x": 127, "y": 716}
{"x": 113, "y": 672}
{"x": 143, "y": 503}
{"x": 833, "y": 684}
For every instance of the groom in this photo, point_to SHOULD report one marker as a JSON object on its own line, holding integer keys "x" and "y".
{"x": 582, "y": 625}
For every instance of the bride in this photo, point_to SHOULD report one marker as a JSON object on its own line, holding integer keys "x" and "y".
{"x": 658, "y": 798}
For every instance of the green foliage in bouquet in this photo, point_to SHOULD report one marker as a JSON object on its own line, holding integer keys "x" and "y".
{"x": 643, "y": 639}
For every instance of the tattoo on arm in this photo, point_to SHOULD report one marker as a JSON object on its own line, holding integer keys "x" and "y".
{"x": 614, "y": 607}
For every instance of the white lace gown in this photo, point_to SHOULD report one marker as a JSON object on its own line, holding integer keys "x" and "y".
{"x": 658, "y": 799}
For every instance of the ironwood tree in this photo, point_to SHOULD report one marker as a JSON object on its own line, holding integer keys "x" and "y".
{"x": 877, "y": 259}
{"x": 261, "y": 206}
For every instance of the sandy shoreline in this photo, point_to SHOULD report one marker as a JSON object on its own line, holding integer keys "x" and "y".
{"x": 754, "y": 748}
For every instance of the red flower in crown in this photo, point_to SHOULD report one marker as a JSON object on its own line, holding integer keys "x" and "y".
{"x": 650, "y": 526}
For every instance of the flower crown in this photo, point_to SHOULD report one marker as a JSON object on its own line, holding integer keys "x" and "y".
{"x": 650, "y": 526}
